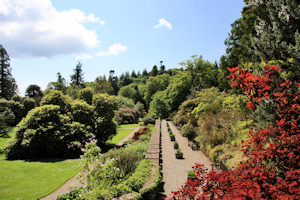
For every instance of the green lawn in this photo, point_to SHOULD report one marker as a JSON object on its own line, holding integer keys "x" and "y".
{"x": 21, "y": 179}
{"x": 122, "y": 132}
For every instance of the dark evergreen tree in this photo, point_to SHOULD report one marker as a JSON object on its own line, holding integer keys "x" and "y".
{"x": 8, "y": 86}
{"x": 239, "y": 49}
{"x": 77, "y": 77}
{"x": 154, "y": 71}
{"x": 277, "y": 29}
{"x": 145, "y": 73}
{"x": 133, "y": 74}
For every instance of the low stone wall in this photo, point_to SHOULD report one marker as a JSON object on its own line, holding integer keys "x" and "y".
{"x": 153, "y": 152}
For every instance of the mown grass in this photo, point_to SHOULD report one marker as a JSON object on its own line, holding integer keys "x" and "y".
{"x": 122, "y": 132}
{"x": 22, "y": 179}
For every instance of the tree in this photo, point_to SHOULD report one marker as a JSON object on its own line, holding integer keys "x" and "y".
{"x": 162, "y": 68}
{"x": 60, "y": 79}
{"x": 73, "y": 90}
{"x": 113, "y": 82}
{"x": 222, "y": 75}
{"x": 133, "y": 74}
{"x": 155, "y": 84}
{"x": 103, "y": 86}
{"x": 33, "y": 91}
{"x": 145, "y": 73}
{"x": 125, "y": 81}
{"x": 55, "y": 86}
{"x": 160, "y": 106}
{"x": 239, "y": 48}
{"x": 277, "y": 29}
{"x": 154, "y": 71}
{"x": 128, "y": 91}
{"x": 104, "y": 112}
{"x": 277, "y": 33}
{"x": 267, "y": 31}
{"x": 8, "y": 86}
{"x": 77, "y": 77}
{"x": 202, "y": 72}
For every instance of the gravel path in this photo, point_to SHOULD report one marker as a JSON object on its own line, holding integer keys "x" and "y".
{"x": 74, "y": 182}
{"x": 175, "y": 170}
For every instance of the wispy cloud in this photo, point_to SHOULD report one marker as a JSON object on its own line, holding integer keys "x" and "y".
{"x": 163, "y": 23}
{"x": 32, "y": 28}
{"x": 115, "y": 49}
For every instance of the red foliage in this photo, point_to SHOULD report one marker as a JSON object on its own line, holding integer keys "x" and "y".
{"x": 137, "y": 134}
{"x": 272, "y": 170}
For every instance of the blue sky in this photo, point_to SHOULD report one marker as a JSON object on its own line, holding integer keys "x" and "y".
{"x": 43, "y": 37}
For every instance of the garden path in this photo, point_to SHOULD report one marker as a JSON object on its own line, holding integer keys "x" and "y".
{"x": 128, "y": 136}
{"x": 74, "y": 182}
{"x": 174, "y": 170}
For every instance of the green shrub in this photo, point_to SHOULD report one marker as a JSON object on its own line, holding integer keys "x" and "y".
{"x": 128, "y": 142}
{"x": 56, "y": 97}
{"x": 18, "y": 109}
{"x": 180, "y": 120}
{"x": 191, "y": 173}
{"x": 86, "y": 94}
{"x": 82, "y": 112}
{"x": 17, "y": 98}
{"x": 74, "y": 194}
{"x": 105, "y": 185}
{"x": 45, "y": 133}
{"x": 145, "y": 137}
{"x": 132, "y": 184}
{"x": 126, "y": 158}
{"x": 127, "y": 116}
{"x": 188, "y": 131}
{"x": 150, "y": 192}
{"x": 148, "y": 120}
{"x": 216, "y": 152}
{"x": 29, "y": 104}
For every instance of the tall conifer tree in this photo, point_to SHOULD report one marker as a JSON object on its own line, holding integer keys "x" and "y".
{"x": 8, "y": 86}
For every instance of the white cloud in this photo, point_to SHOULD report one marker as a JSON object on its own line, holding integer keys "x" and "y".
{"x": 163, "y": 23}
{"x": 78, "y": 15}
{"x": 83, "y": 56}
{"x": 115, "y": 49}
{"x": 31, "y": 28}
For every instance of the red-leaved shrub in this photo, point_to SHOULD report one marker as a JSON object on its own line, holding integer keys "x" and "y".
{"x": 272, "y": 170}
{"x": 137, "y": 134}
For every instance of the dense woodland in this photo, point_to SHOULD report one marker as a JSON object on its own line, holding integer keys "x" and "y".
{"x": 213, "y": 103}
